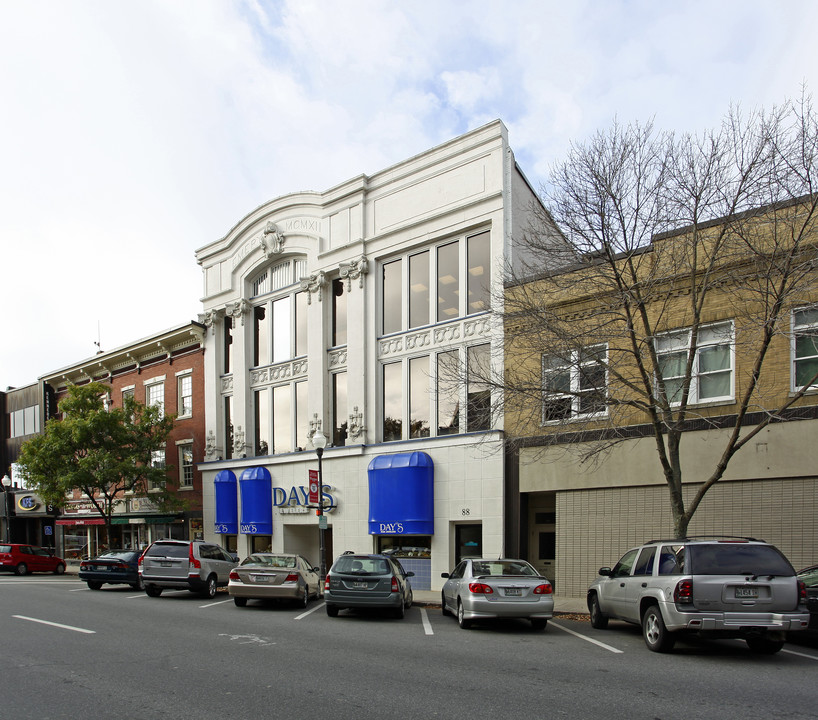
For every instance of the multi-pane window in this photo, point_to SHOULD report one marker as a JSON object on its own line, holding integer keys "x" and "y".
{"x": 279, "y": 329}
{"x": 448, "y": 395}
{"x": 339, "y": 313}
{"x": 25, "y": 421}
{"x": 478, "y": 389}
{"x": 574, "y": 385}
{"x": 419, "y": 414}
{"x": 443, "y": 283}
{"x": 155, "y": 395}
{"x": 228, "y": 427}
{"x": 186, "y": 465}
{"x": 227, "y": 349}
{"x": 280, "y": 418}
{"x": 805, "y": 348}
{"x": 262, "y": 409}
{"x": 712, "y": 371}
{"x": 185, "y": 393}
{"x": 157, "y": 461}
{"x": 392, "y": 401}
{"x": 339, "y": 409}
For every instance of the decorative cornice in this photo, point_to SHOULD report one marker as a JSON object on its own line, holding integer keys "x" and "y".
{"x": 237, "y": 309}
{"x": 211, "y": 318}
{"x": 354, "y": 270}
{"x": 276, "y": 373}
{"x": 337, "y": 358}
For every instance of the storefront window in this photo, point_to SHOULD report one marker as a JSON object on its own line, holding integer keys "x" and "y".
{"x": 260, "y": 543}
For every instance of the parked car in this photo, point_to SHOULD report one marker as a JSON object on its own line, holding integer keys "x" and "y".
{"x": 23, "y": 559}
{"x": 273, "y": 576}
{"x": 185, "y": 565}
{"x": 367, "y": 581}
{"x": 112, "y": 567}
{"x": 483, "y": 589}
{"x": 728, "y": 587}
{"x": 809, "y": 576}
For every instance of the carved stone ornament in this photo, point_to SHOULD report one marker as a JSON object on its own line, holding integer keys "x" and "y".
{"x": 211, "y": 318}
{"x": 238, "y": 443}
{"x": 211, "y": 451}
{"x": 314, "y": 284}
{"x": 354, "y": 270}
{"x": 315, "y": 424}
{"x": 272, "y": 241}
{"x": 356, "y": 428}
{"x": 237, "y": 309}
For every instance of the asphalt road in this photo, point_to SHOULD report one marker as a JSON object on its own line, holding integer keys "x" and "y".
{"x": 70, "y": 652}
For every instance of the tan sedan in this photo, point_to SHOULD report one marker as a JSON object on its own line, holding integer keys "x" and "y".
{"x": 273, "y": 576}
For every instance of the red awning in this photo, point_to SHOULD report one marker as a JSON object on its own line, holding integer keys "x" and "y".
{"x": 82, "y": 521}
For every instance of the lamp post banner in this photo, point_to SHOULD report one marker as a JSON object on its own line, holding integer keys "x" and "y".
{"x": 314, "y": 487}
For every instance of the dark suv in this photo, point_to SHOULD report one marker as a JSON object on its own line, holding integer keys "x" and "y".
{"x": 185, "y": 565}
{"x": 726, "y": 587}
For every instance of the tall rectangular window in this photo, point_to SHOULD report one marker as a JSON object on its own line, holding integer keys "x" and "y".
{"x": 155, "y": 395}
{"x": 282, "y": 419}
{"x": 448, "y": 281}
{"x": 301, "y": 415}
{"x": 575, "y": 385}
{"x": 419, "y": 398}
{"x": 805, "y": 347}
{"x": 157, "y": 461}
{"x": 184, "y": 405}
{"x": 262, "y": 412}
{"x": 340, "y": 411}
{"x": 479, "y": 276}
{"x": 392, "y": 402}
{"x": 448, "y": 393}
{"x": 392, "y": 289}
{"x": 281, "y": 329}
{"x": 261, "y": 336}
{"x": 300, "y": 324}
{"x": 478, "y": 389}
{"x": 228, "y": 427}
{"x": 228, "y": 345}
{"x": 186, "y": 465}
{"x": 419, "y": 289}
{"x": 339, "y": 313}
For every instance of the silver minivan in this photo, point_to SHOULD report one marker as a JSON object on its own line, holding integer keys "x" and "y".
{"x": 725, "y": 587}
{"x": 185, "y": 565}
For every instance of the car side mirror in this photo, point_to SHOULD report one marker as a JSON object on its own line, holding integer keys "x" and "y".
{"x": 410, "y": 574}
{"x": 316, "y": 569}
{"x": 605, "y": 572}
{"x": 444, "y": 575}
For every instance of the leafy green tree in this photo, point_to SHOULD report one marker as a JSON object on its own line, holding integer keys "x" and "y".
{"x": 101, "y": 451}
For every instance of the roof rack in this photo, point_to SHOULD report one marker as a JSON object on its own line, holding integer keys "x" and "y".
{"x": 705, "y": 537}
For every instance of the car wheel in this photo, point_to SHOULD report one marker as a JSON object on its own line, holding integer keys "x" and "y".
{"x": 763, "y": 646}
{"x": 443, "y": 609}
{"x": 332, "y": 611}
{"x": 461, "y": 617}
{"x": 153, "y": 591}
{"x": 305, "y": 600}
{"x": 60, "y": 569}
{"x": 21, "y": 569}
{"x": 210, "y": 588}
{"x": 138, "y": 585}
{"x": 598, "y": 619}
{"x": 411, "y": 599}
{"x": 539, "y": 623}
{"x": 240, "y": 602}
{"x": 400, "y": 612}
{"x": 657, "y": 638}
{"x": 94, "y": 585}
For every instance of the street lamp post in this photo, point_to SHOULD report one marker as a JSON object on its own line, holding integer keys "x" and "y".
{"x": 319, "y": 442}
{"x": 6, "y": 491}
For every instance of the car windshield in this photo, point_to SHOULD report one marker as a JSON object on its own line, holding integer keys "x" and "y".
{"x": 729, "y": 558}
{"x": 270, "y": 561}
{"x": 361, "y": 565}
{"x": 485, "y": 568}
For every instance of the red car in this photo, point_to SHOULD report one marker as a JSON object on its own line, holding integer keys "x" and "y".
{"x": 23, "y": 559}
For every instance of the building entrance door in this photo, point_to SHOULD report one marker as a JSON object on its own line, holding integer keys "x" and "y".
{"x": 542, "y": 524}
{"x": 468, "y": 541}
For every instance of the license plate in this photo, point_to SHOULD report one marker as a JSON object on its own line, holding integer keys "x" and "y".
{"x": 746, "y": 592}
{"x": 513, "y": 591}
{"x": 361, "y": 585}
{"x": 259, "y": 578}
{"x": 165, "y": 563}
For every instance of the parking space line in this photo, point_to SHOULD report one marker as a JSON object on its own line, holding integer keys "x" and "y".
{"x": 219, "y": 602}
{"x": 57, "y": 625}
{"x": 803, "y": 655}
{"x": 427, "y": 626}
{"x": 585, "y": 637}
{"x": 304, "y": 614}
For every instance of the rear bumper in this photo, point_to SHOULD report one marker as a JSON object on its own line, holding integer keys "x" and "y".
{"x": 393, "y": 600}
{"x": 292, "y": 591}
{"x": 188, "y": 583}
{"x": 476, "y": 607}
{"x": 735, "y": 623}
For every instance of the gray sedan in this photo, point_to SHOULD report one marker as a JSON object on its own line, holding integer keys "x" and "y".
{"x": 482, "y": 589}
{"x": 273, "y": 576}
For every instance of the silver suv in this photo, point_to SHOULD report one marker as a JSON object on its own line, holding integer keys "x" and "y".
{"x": 726, "y": 587}
{"x": 187, "y": 565}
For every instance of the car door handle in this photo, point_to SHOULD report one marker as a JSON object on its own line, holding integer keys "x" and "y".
{"x": 644, "y": 585}
{"x": 621, "y": 584}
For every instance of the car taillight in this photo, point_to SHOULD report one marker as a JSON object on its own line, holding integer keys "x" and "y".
{"x": 326, "y": 583}
{"x": 292, "y": 577}
{"x": 121, "y": 566}
{"x": 802, "y": 592}
{"x": 683, "y": 594}
{"x": 395, "y": 587}
{"x": 144, "y": 552}
{"x": 233, "y": 575}
{"x": 83, "y": 565}
{"x": 194, "y": 563}
{"x": 480, "y": 588}
{"x": 544, "y": 589}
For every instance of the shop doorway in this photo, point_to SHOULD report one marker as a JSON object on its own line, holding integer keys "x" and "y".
{"x": 542, "y": 533}
{"x": 468, "y": 541}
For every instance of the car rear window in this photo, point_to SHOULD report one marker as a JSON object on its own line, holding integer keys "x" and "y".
{"x": 5, "y": 548}
{"x": 736, "y": 559}
{"x": 361, "y": 566}
{"x": 502, "y": 567}
{"x": 173, "y": 550}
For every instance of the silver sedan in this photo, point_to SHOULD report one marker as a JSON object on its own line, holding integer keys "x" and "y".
{"x": 273, "y": 576}
{"x": 482, "y": 589}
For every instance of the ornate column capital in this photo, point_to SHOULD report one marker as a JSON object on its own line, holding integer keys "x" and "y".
{"x": 314, "y": 284}
{"x": 211, "y": 318}
{"x": 354, "y": 270}
{"x": 237, "y": 309}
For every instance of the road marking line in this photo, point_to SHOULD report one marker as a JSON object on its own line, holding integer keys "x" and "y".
{"x": 304, "y": 614}
{"x": 585, "y": 637}
{"x": 427, "y": 626}
{"x": 804, "y": 655}
{"x": 213, "y": 604}
{"x": 58, "y": 625}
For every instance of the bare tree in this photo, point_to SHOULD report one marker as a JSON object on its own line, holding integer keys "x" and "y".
{"x": 682, "y": 252}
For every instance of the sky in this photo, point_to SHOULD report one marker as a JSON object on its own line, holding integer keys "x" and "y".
{"x": 133, "y": 133}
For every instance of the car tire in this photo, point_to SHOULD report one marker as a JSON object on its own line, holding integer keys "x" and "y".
{"x": 764, "y": 646}
{"x": 332, "y": 611}
{"x": 443, "y": 609}
{"x": 153, "y": 591}
{"x": 400, "y": 611}
{"x": 411, "y": 599}
{"x": 539, "y": 623}
{"x": 305, "y": 600}
{"x": 94, "y": 585}
{"x": 60, "y": 569}
{"x": 21, "y": 569}
{"x": 138, "y": 585}
{"x": 240, "y": 602}
{"x": 210, "y": 588}
{"x": 461, "y": 617}
{"x": 656, "y": 635}
{"x": 599, "y": 620}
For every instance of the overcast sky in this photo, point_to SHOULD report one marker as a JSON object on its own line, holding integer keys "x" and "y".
{"x": 133, "y": 133}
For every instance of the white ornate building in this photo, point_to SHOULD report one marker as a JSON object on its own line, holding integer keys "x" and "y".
{"x": 358, "y": 312}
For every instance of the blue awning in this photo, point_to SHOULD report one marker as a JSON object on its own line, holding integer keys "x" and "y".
{"x": 256, "y": 487}
{"x": 227, "y": 503}
{"x": 401, "y": 494}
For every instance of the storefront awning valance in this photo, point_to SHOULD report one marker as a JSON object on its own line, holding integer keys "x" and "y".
{"x": 148, "y": 519}
{"x": 256, "y": 488}
{"x": 81, "y": 521}
{"x": 227, "y": 503}
{"x": 401, "y": 494}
